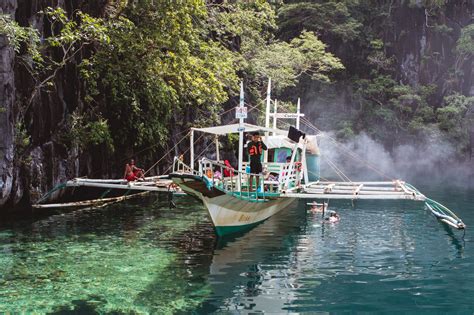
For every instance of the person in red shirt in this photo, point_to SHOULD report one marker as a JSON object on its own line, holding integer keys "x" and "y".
{"x": 229, "y": 170}
{"x": 132, "y": 172}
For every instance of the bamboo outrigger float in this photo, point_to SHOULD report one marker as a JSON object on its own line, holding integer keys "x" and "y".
{"x": 93, "y": 203}
{"x": 234, "y": 207}
{"x": 147, "y": 185}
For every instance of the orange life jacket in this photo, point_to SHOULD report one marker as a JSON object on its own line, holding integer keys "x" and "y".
{"x": 254, "y": 150}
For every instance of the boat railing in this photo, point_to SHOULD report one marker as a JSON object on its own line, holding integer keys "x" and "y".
{"x": 180, "y": 167}
{"x": 237, "y": 183}
{"x": 279, "y": 176}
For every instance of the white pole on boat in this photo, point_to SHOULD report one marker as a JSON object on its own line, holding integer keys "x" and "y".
{"x": 304, "y": 162}
{"x": 241, "y": 135}
{"x": 298, "y": 110}
{"x": 267, "y": 116}
{"x": 217, "y": 148}
{"x": 275, "y": 115}
{"x": 191, "y": 147}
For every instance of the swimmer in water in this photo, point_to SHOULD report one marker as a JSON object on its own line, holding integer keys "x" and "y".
{"x": 333, "y": 217}
{"x": 316, "y": 208}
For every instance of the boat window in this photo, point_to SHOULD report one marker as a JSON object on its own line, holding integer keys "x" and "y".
{"x": 281, "y": 156}
{"x": 271, "y": 155}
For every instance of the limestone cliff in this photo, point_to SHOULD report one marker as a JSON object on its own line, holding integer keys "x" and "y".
{"x": 28, "y": 172}
{"x": 7, "y": 121}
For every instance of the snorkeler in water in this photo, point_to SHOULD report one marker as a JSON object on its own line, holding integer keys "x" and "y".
{"x": 333, "y": 217}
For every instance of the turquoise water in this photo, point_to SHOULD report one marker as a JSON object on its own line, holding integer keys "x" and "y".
{"x": 142, "y": 257}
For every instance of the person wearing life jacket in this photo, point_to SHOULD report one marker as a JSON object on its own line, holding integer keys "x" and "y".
{"x": 255, "y": 149}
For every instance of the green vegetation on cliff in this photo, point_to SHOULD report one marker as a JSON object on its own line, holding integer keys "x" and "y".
{"x": 148, "y": 70}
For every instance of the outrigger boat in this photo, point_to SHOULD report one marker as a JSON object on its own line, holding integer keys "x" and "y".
{"x": 233, "y": 207}
{"x": 231, "y": 204}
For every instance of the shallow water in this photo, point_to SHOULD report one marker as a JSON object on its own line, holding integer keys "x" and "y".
{"x": 142, "y": 257}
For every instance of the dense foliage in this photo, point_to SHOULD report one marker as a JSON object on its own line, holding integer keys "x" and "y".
{"x": 153, "y": 68}
{"x": 403, "y": 79}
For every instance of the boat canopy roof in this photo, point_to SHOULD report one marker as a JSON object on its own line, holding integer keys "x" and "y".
{"x": 279, "y": 141}
{"x": 234, "y": 128}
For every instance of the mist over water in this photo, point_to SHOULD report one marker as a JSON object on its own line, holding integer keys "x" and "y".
{"x": 429, "y": 158}
{"x": 432, "y": 160}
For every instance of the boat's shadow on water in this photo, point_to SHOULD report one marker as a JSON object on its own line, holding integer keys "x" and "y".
{"x": 237, "y": 271}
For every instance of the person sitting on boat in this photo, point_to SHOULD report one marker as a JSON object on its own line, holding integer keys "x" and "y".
{"x": 229, "y": 170}
{"x": 217, "y": 175}
{"x": 255, "y": 149}
{"x": 270, "y": 178}
{"x": 333, "y": 217}
{"x": 132, "y": 172}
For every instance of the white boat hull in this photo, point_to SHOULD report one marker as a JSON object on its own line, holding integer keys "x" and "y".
{"x": 231, "y": 214}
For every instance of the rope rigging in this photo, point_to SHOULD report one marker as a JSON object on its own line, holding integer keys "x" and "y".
{"x": 188, "y": 134}
{"x": 345, "y": 150}
{"x": 166, "y": 154}
{"x": 340, "y": 146}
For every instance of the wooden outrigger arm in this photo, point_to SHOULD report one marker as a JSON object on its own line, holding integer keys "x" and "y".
{"x": 357, "y": 190}
{"x": 388, "y": 190}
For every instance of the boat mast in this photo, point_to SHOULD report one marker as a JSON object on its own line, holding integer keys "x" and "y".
{"x": 216, "y": 139}
{"x": 275, "y": 116}
{"x": 267, "y": 116}
{"x": 298, "y": 111}
{"x": 241, "y": 132}
{"x": 191, "y": 147}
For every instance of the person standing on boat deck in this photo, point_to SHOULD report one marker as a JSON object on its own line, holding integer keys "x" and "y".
{"x": 255, "y": 149}
{"x": 248, "y": 139}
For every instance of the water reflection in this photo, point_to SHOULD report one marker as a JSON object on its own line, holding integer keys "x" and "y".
{"x": 253, "y": 271}
{"x": 294, "y": 262}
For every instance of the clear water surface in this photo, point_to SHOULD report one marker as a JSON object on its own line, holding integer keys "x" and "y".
{"x": 143, "y": 257}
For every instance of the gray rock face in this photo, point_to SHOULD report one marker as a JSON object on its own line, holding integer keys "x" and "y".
{"x": 7, "y": 100}
{"x": 28, "y": 173}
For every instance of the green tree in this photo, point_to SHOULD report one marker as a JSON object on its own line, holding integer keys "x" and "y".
{"x": 160, "y": 69}
{"x": 455, "y": 117}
